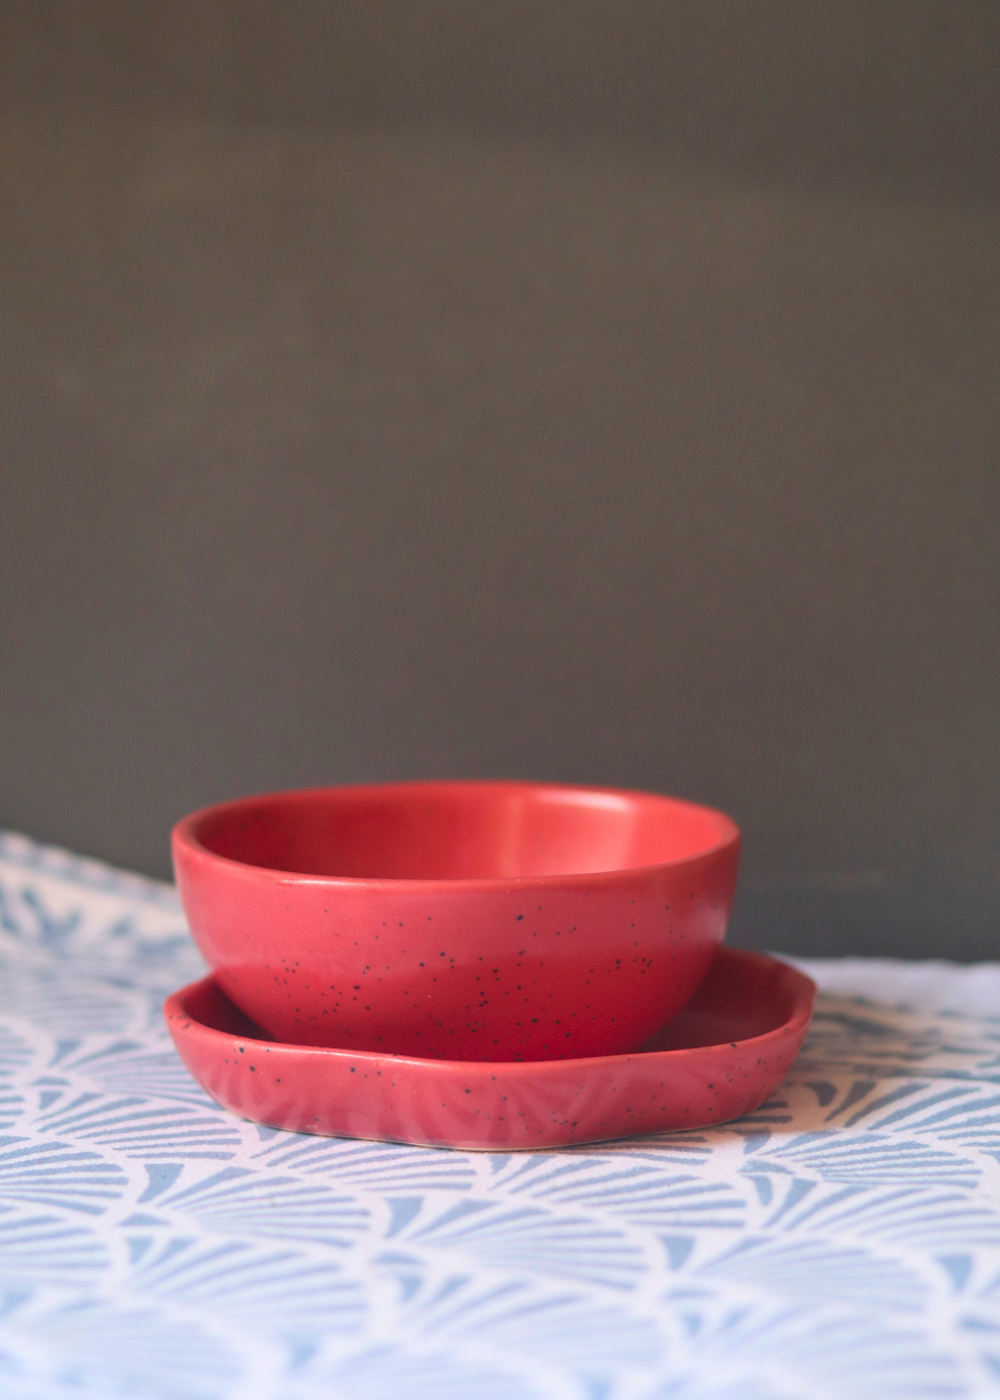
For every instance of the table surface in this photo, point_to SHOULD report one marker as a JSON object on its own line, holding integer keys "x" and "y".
{"x": 844, "y": 1240}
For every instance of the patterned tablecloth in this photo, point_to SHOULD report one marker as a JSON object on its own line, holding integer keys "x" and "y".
{"x": 842, "y": 1241}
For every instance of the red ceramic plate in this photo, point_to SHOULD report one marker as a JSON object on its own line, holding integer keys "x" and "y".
{"x": 716, "y": 1060}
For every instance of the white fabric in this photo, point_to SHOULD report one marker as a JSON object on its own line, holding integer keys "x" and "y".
{"x": 972, "y": 990}
{"x": 842, "y": 1241}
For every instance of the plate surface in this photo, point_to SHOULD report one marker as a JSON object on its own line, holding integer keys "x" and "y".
{"x": 715, "y": 1061}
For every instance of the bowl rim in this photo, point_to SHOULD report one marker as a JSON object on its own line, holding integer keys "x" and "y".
{"x": 185, "y": 840}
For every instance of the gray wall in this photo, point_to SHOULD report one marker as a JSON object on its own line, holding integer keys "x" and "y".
{"x": 593, "y": 391}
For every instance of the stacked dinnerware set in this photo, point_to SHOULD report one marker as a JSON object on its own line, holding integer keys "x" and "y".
{"x": 476, "y": 965}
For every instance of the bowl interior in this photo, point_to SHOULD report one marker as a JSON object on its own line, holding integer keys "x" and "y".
{"x": 459, "y": 831}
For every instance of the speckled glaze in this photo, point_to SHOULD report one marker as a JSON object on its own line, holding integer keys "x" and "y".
{"x": 717, "y": 1060}
{"x": 460, "y": 921}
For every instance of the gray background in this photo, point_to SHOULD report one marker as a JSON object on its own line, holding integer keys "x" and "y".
{"x": 592, "y": 391}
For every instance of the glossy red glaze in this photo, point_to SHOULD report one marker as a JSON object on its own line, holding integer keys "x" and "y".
{"x": 717, "y": 1060}
{"x": 469, "y": 921}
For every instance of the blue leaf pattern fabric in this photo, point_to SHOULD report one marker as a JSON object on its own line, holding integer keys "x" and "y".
{"x": 844, "y": 1240}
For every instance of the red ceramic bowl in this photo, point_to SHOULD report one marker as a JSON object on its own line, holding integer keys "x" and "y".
{"x": 465, "y": 921}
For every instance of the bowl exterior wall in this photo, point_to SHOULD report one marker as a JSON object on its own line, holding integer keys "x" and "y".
{"x": 579, "y": 966}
